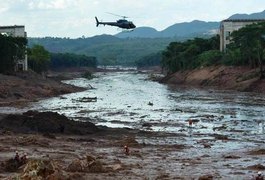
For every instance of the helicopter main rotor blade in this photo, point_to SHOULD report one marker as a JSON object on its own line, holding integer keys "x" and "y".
{"x": 118, "y": 15}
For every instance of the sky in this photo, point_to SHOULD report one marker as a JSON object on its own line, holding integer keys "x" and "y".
{"x": 76, "y": 18}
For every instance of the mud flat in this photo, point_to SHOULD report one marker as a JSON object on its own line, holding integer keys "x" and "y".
{"x": 20, "y": 89}
{"x": 75, "y": 152}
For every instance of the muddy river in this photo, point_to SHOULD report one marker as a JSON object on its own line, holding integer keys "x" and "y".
{"x": 128, "y": 99}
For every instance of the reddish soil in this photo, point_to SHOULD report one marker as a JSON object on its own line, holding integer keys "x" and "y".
{"x": 222, "y": 77}
{"x": 22, "y": 88}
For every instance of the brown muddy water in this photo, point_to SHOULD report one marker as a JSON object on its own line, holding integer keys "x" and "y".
{"x": 227, "y": 127}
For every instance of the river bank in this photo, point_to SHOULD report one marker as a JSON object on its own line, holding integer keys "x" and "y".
{"x": 220, "y": 77}
{"x": 22, "y": 88}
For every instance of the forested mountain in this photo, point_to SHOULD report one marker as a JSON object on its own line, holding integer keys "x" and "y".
{"x": 107, "y": 49}
{"x": 260, "y": 15}
{"x": 180, "y": 30}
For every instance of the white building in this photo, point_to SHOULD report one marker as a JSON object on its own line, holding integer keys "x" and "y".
{"x": 229, "y": 25}
{"x": 17, "y": 31}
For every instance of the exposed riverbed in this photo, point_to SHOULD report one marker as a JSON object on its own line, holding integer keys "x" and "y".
{"x": 127, "y": 99}
{"x": 227, "y": 125}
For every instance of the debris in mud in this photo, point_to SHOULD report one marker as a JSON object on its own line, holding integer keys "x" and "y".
{"x": 150, "y": 103}
{"x": 116, "y": 167}
{"x": 42, "y": 169}
{"x": 231, "y": 157}
{"x": 87, "y": 99}
{"x": 163, "y": 176}
{"x": 257, "y": 152}
{"x": 89, "y": 164}
{"x": 256, "y": 167}
{"x": 147, "y": 125}
{"x": 179, "y": 110}
{"x": 206, "y": 177}
{"x": 220, "y": 137}
{"x": 206, "y": 145}
{"x": 220, "y": 128}
{"x": 45, "y": 122}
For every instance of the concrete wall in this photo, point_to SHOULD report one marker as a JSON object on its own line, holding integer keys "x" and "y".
{"x": 228, "y": 26}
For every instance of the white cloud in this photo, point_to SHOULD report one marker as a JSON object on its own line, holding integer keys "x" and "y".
{"x": 51, "y": 4}
{"x": 76, "y": 17}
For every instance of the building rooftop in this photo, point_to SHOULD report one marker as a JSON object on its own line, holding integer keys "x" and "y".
{"x": 15, "y": 26}
{"x": 243, "y": 20}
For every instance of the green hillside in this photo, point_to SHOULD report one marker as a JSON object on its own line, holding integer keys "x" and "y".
{"x": 107, "y": 49}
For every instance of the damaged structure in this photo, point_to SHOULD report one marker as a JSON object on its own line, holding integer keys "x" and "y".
{"x": 229, "y": 25}
{"x": 17, "y": 31}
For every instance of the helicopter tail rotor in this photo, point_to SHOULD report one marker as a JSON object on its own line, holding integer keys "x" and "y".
{"x": 97, "y": 22}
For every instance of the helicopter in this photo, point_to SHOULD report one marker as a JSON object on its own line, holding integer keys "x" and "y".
{"x": 121, "y": 23}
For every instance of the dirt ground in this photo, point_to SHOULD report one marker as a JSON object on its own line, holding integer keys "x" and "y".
{"x": 102, "y": 156}
{"x": 19, "y": 89}
{"x": 100, "y": 153}
{"x": 222, "y": 77}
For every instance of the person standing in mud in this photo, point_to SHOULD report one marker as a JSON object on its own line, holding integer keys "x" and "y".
{"x": 126, "y": 150}
{"x": 190, "y": 127}
{"x": 259, "y": 176}
{"x": 17, "y": 157}
{"x": 23, "y": 159}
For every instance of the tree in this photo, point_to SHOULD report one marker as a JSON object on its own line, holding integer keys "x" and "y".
{"x": 39, "y": 58}
{"x": 150, "y": 60}
{"x": 187, "y": 55}
{"x": 64, "y": 60}
{"x": 11, "y": 50}
{"x": 251, "y": 43}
